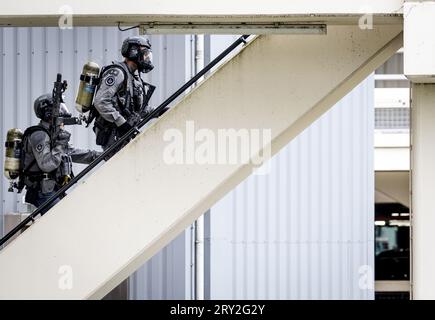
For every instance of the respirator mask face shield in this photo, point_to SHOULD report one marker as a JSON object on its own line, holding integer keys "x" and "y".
{"x": 44, "y": 110}
{"x": 145, "y": 63}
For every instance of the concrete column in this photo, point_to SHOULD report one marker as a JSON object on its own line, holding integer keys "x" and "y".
{"x": 419, "y": 66}
{"x": 423, "y": 191}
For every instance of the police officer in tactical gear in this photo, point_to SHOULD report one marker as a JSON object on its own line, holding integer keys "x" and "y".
{"x": 47, "y": 160}
{"x": 119, "y": 99}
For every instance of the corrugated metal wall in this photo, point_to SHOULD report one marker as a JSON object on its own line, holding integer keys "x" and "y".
{"x": 305, "y": 230}
{"x": 30, "y": 59}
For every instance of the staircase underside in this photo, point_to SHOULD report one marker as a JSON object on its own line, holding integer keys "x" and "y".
{"x": 135, "y": 204}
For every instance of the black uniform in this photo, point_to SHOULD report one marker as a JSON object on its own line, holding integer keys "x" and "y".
{"x": 118, "y": 100}
{"x": 45, "y": 164}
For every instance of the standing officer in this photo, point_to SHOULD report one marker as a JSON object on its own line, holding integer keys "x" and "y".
{"x": 47, "y": 160}
{"x": 119, "y": 100}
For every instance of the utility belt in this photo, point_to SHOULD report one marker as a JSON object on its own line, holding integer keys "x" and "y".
{"x": 37, "y": 177}
{"x": 104, "y": 129}
{"x": 46, "y": 182}
{"x": 102, "y": 124}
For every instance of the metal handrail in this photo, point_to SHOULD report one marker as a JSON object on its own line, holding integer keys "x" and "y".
{"x": 133, "y": 132}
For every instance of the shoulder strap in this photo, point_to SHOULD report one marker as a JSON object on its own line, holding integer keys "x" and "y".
{"x": 30, "y": 130}
{"x": 126, "y": 92}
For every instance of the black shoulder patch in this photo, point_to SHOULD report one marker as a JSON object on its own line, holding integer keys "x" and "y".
{"x": 109, "y": 81}
{"x": 39, "y": 147}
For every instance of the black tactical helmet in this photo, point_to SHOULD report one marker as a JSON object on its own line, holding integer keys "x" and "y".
{"x": 138, "y": 50}
{"x": 43, "y": 107}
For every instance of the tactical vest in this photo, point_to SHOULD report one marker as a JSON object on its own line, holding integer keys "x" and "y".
{"x": 129, "y": 98}
{"x": 29, "y": 177}
{"x": 128, "y": 101}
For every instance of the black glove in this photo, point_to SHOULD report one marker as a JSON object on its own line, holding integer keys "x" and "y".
{"x": 163, "y": 111}
{"x": 124, "y": 128}
{"x": 158, "y": 114}
{"x": 133, "y": 119}
{"x": 96, "y": 154}
{"x": 62, "y": 138}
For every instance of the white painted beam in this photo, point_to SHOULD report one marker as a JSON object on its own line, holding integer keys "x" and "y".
{"x": 277, "y": 27}
{"x": 419, "y": 41}
{"x": 199, "y": 7}
{"x": 390, "y": 77}
{"x": 394, "y": 139}
{"x": 391, "y": 159}
{"x": 277, "y": 83}
{"x": 110, "y": 12}
{"x": 392, "y": 152}
{"x": 391, "y": 97}
{"x": 423, "y": 191}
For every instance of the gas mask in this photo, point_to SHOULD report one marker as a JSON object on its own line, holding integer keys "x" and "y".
{"x": 144, "y": 63}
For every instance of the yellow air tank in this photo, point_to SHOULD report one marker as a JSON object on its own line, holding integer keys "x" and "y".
{"x": 13, "y": 151}
{"x": 88, "y": 83}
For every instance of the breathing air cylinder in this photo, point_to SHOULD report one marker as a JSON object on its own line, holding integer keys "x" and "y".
{"x": 12, "y": 165}
{"x": 88, "y": 83}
